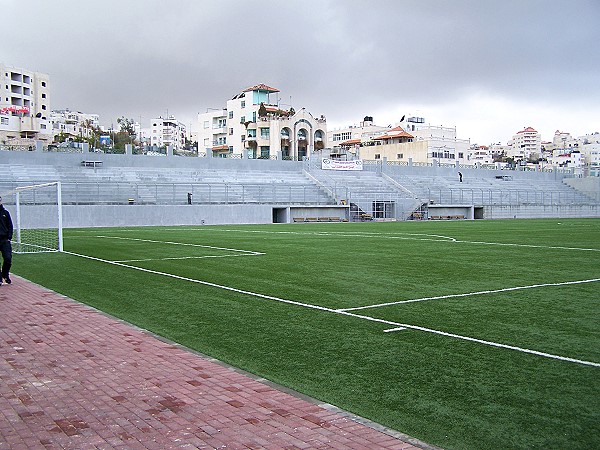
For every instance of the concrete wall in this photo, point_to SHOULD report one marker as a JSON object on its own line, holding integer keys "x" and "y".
{"x": 589, "y": 185}
{"x": 142, "y": 215}
{"x": 541, "y": 212}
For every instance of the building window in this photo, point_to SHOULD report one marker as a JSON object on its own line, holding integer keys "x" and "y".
{"x": 44, "y": 107}
{"x": 377, "y": 156}
{"x": 231, "y": 114}
{"x": 231, "y": 131}
{"x": 265, "y": 133}
{"x": 43, "y": 95}
{"x": 342, "y": 136}
{"x": 222, "y": 123}
{"x": 4, "y": 120}
{"x": 43, "y": 84}
{"x": 242, "y": 119}
{"x": 461, "y": 155}
{"x": 400, "y": 156}
{"x": 264, "y": 151}
{"x": 206, "y": 125}
{"x": 243, "y": 103}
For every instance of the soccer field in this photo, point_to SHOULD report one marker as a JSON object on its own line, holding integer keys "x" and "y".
{"x": 464, "y": 334}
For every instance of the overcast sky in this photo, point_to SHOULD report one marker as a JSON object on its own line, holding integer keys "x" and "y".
{"x": 487, "y": 67}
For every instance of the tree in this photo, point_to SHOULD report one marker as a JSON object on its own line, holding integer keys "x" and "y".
{"x": 127, "y": 127}
{"x": 91, "y": 133}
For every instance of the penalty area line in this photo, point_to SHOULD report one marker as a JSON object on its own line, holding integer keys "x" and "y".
{"x": 344, "y": 313}
{"x": 185, "y": 257}
{"x": 181, "y": 243}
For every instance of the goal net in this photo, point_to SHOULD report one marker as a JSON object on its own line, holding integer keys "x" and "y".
{"x": 38, "y": 222}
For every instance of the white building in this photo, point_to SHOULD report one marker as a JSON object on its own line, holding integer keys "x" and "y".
{"x": 362, "y": 133}
{"x": 253, "y": 125}
{"x": 73, "y": 123}
{"x": 526, "y": 144}
{"x": 589, "y": 146}
{"x": 167, "y": 132}
{"x": 481, "y": 154}
{"x": 24, "y": 106}
{"x": 413, "y": 140}
{"x": 572, "y": 159}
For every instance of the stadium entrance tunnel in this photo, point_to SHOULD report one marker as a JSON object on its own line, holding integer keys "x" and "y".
{"x": 280, "y": 215}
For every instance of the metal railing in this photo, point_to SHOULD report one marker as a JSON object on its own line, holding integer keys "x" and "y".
{"x": 93, "y": 193}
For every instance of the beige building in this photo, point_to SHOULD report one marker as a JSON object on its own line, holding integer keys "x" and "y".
{"x": 413, "y": 140}
{"x": 24, "y": 106}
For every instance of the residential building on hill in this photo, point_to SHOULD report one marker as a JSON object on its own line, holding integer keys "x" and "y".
{"x": 73, "y": 123}
{"x": 481, "y": 154}
{"x": 24, "y": 106}
{"x": 525, "y": 144}
{"x": 167, "y": 132}
{"x": 411, "y": 140}
{"x": 253, "y": 125}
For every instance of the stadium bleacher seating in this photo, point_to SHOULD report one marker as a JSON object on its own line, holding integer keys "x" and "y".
{"x": 371, "y": 194}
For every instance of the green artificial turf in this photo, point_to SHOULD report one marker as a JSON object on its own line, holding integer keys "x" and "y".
{"x": 449, "y": 392}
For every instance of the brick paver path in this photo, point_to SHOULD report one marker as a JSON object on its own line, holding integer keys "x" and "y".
{"x": 72, "y": 377}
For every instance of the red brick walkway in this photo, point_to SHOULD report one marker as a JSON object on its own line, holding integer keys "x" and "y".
{"x": 74, "y": 378}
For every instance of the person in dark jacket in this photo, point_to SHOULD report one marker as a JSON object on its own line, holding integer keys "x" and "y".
{"x": 6, "y": 234}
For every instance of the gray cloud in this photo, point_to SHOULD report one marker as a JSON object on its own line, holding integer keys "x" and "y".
{"x": 340, "y": 58}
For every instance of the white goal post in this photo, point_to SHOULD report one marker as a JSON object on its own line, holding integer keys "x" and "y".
{"x": 38, "y": 226}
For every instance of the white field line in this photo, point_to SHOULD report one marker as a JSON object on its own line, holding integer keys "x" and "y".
{"x": 186, "y": 257}
{"x": 180, "y": 243}
{"x": 345, "y": 313}
{"x": 470, "y": 294}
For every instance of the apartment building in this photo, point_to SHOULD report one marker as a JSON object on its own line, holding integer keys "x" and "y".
{"x": 526, "y": 144}
{"x": 73, "y": 123}
{"x": 254, "y": 125}
{"x": 24, "y": 106}
{"x": 480, "y": 154}
{"x": 166, "y": 132}
{"x": 411, "y": 139}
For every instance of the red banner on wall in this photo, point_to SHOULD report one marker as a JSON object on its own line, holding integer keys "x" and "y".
{"x": 14, "y": 109}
